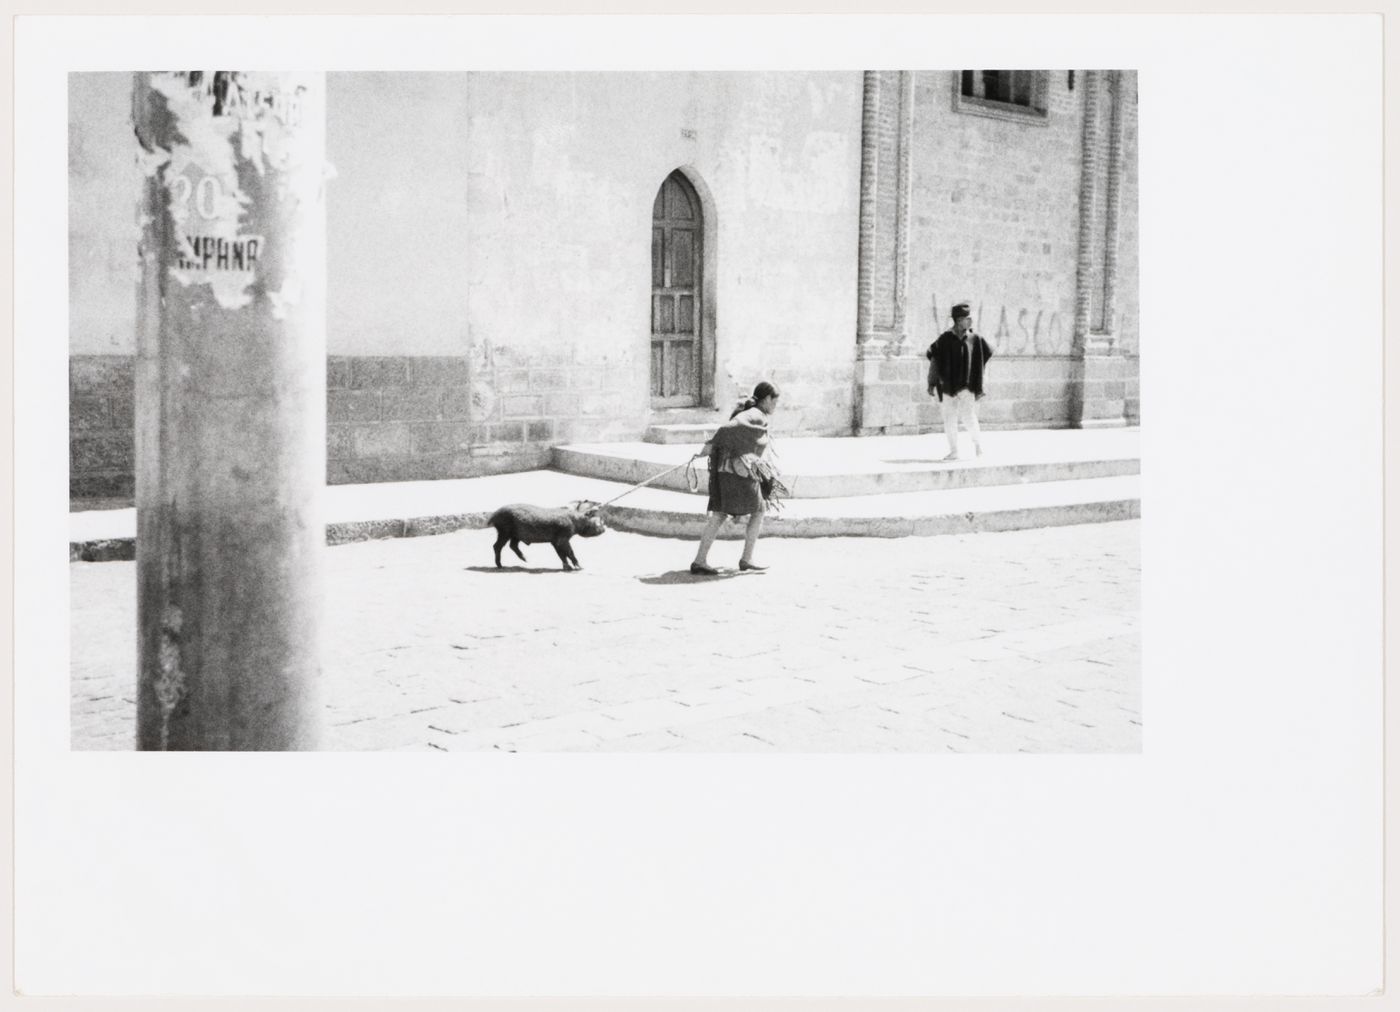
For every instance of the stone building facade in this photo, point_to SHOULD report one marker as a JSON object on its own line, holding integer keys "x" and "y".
{"x": 521, "y": 260}
{"x": 1028, "y": 212}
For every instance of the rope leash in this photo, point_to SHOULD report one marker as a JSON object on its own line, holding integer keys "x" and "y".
{"x": 692, "y": 473}
{"x": 692, "y": 480}
{"x": 778, "y": 488}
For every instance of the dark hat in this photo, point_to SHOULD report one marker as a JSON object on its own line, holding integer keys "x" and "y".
{"x": 961, "y": 310}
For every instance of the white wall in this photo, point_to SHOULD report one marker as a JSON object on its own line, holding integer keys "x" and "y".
{"x": 396, "y": 214}
{"x": 515, "y": 209}
{"x": 563, "y": 172}
{"x": 104, "y": 191}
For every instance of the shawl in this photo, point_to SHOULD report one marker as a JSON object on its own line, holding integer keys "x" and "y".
{"x": 738, "y": 447}
{"x": 742, "y": 435}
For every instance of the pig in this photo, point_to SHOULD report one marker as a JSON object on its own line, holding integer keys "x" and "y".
{"x": 530, "y": 524}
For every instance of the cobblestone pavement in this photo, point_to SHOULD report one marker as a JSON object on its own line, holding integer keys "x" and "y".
{"x": 1019, "y": 641}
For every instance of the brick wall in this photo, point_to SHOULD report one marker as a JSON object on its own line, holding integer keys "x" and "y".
{"x": 995, "y": 220}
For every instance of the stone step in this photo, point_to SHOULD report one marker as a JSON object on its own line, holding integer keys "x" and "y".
{"x": 693, "y": 432}
{"x": 908, "y": 514}
{"x": 1028, "y": 479}
{"x": 810, "y": 478}
{"x": 687, "y": 416}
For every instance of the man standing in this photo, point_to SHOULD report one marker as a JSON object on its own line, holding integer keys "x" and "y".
{"x": 957, "y": 361}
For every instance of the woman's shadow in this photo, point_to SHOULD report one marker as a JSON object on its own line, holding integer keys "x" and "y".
{"x": 677, "y": 576}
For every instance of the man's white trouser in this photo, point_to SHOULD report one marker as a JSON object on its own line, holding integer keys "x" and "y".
{"x": 961, "y": 406}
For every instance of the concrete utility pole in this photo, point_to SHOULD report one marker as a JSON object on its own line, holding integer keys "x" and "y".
{"x": 231, "y": 403}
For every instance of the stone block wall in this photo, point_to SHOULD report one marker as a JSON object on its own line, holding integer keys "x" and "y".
{"x": 102, "y": 426}
{"x": 391, "y": 417}
{"x": 1042, "y": 393}
{"x": 546, "y": 396}
{"x": 423, "y": 417}
{"x": 1101, "y": 390}
{"x": 1021, "y": 393}
{"x": 893, "y": 400}
{"x": 399, "y": 418}
{"x": 1028, "y": 393}
{"x": 1130, "y": 397}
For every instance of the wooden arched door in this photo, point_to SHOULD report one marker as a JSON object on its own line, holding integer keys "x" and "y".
{"x": 676, "y": 235}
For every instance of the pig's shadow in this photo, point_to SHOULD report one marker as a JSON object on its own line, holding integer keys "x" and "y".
{"x": 530, "y": 570}
{"x": 686, "y": 576}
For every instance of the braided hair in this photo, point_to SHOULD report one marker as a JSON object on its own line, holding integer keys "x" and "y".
{"x": 760, "y": 392}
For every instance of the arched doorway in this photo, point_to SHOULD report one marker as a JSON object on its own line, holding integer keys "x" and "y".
{"x": 677, "y": 329}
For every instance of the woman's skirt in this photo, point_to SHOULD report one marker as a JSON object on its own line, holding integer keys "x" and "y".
{"x": 733, "y": 494}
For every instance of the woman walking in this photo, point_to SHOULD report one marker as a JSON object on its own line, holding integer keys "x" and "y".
{"x": 736, "y": 475}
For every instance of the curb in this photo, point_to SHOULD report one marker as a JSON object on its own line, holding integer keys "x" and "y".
{"x": 689, "y": 525}
{"x": 104, "y": 550}
{"x": 665, "y": 524}
{"x": 343, "y": 533}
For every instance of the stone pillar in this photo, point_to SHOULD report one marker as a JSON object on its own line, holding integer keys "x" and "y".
{"x": 869, "y": 168}
{"x": 1098, "y": 377}
{"x": 1115, "y": 203}
{"x": 1088, "y": 192}
{"x": 902, "y": 205}
{"x": 231, "y": 402}
{"x": 887, "y": 377}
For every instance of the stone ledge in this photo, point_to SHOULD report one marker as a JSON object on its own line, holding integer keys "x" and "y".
{"x": 349, "y": 532}
{"x": 342, "y": 533}
{"x": 105, "y": 550}
{"x": 101, "y": 374}
{"x": 102, "y": 485}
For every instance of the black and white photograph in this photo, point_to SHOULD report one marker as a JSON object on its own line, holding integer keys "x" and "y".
{"x": 712, "y": 411}
{"x": 627, "y": 507}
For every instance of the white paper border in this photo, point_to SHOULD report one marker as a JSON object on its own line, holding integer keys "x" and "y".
{"x": 1245, "y": 841}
